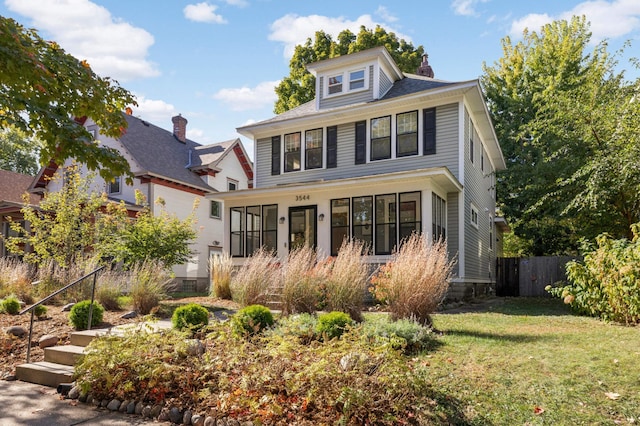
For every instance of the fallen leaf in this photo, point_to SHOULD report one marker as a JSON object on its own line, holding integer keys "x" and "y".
{"x": 612, "y": 395}
{"x": 538, "y": 410}
{"x": 615, "y": 361}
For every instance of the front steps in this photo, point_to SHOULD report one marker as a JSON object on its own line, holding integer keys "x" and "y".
{"x": 59, "y": 361}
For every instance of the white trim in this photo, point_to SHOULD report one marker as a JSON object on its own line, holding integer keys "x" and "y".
{"x": 346, "y": 81}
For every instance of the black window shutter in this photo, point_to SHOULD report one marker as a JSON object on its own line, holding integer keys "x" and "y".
{"x": 429, "y": 131}
{"x": 361, "y": 142}
{"x": 275, "y": 155}
{"x": 332, "y": 147}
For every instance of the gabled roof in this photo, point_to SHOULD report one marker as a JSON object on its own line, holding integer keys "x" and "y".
{"x": 12, "y": 187}
{"x": 159, "y": 153}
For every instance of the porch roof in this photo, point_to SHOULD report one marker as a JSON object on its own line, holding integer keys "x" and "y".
{"x": 442, "y": 176}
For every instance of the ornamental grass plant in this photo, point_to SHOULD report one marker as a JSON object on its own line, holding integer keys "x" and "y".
{"x": 415, "y": 280}
{"x": 150, "y": 282}
{"x": 254, "y": 280}
{"x": 220, "y": 270}
{"x": 15, "y": 278}
{"x": 301, "y": 282}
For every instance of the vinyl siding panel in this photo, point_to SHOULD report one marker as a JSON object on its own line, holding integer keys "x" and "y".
{"x": 385, "y": 83}
{"x": 347, "y": 98}
{"x": 479, "y": 258}
{"x": 446, "y": 155}
{"x": 453, "y": 235}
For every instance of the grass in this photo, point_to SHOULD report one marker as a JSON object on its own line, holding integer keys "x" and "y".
{"x": 529, "y": 361}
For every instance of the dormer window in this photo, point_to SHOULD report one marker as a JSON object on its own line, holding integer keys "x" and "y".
{"x": 346, "y": 82}
{"x": 335, "y": 84}
{"x": 356, "y": 80}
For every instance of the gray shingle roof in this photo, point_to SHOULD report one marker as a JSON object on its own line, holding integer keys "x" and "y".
{"x": 158, "y": 152}
{"x": 13, "y": 185}
{"x": 208, "y": 155}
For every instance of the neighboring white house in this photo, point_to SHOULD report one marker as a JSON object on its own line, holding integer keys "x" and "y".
{"x": 180, "y": 171}
{"x": 377, "y": 155}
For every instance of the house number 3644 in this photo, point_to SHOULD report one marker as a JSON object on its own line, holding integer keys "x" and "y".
{"x": 302, "y": 197}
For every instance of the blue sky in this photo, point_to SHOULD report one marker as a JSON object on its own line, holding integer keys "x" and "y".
{"x": 216, "y": 61}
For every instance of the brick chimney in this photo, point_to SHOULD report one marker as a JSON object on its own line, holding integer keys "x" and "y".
{"x": 424, "y": 68}
{"x": 180, "y": 128}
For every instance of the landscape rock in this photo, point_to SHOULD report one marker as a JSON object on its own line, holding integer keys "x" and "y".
{"x": 67, "y": 307}
{"x": 139, "y": 408}
{"x": 104, "y": 403}
{"x": 349, "y": 361}
{"x": 17, "y": 331}
{"x": 146, "y": 411}
{"x": 129, "y": 315}
{"x": 197, "y": 420}
{"x": 6, "y": 376}
{"x": 195, "y": 347}
{"x": 155, "y": 411}
{"x": 131, "y": 407}
{"x": 209, "y": 421}
{"x": 175, "y": 415}
{"x": 164, "y": 415}
{"x": 74, "y": 393}
{"x": 186, "y": 417}
{"x": 123, "y": 406}
{"x": 233, "y": 422}
{"x": 114, "y": 405}
{"x": 48, "y": 340}
{"x": 221, "y": 422}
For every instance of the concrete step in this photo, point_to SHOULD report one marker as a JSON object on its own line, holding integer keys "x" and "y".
{"x": 84, "y": 337}
{"x": 65, "y": 355}
{"x": 45, "y": 373}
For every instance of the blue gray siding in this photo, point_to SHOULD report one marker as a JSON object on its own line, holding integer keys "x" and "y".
{"x": 446, "y": 155}
{"x": 479, "y": 259}
{"x": 347, "y": 98}
{"x": 385, "y": 83}
{"x": 453, "y": 234}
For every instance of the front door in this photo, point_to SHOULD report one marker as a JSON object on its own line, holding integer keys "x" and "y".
{"x": 302, "y": 227}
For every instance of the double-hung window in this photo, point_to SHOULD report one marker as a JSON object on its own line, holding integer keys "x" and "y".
{"x": 356, "y": 80}
{"x": 410, "y": 214}
{"x": 407, "y": 134}
{"x": 215, "y": 209}
{"x": 381, "y": 138}
{"x": 335, "y": 84}
{"x": 313, "y": 149}
{"x": 114, "y": 187}
{"x": 292, "y": 152}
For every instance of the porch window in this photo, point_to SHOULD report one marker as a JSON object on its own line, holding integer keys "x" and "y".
{"x": 385, "y": 223}
{"x": 407, "y": 134}
{"x": 313, "y": 149}
{"x": 381, "y": 138}
{"x": 363, "y": 221}
{"x": 339, "y": 223}
{"x": 253, "y": 229}
{"x": 292, "y": 152}
{"x": 438, "y": 217}
{"x": 409, "y": 212}
{"x": 236, "y": 246}
{"x": 270, "y": 227}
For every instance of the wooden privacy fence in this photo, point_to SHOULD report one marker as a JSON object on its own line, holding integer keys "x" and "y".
{"x": 528, "y": 276}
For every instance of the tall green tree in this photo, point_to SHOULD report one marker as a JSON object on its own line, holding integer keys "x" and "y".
{"x": 552, "y": 100}
{"x": 18, "y": 152}
{"x": 299, "y": 86}
{"x": 44, "y": 91}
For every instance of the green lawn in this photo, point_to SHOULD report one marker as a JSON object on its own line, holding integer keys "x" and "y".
{"x": 529, "y": 362}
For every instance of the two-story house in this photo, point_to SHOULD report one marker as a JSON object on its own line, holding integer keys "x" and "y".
{"x": 178, "y": 170}
{"x": 377, "y": 155}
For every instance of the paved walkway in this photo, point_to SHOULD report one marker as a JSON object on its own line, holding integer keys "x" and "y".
{"x": 24, "y": 403}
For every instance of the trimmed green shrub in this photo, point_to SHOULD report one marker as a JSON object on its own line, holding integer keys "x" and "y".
{"x": 79, "y": 315}
{"x": 299, "y": 326}
{"x": 191, "y": 316}
{"x": 333, "y": 324}
{"x": 11, "y": 305}
{"x": 251, "y": 320}
{"x": 40, "y": 311}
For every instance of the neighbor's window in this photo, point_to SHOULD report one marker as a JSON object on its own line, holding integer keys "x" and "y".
{"x": 472, "y": 135}
{"x": 292, "y": 152}
{"x": 407, "y": 133}
{"x": 216, "y": 209}
{"x": 313, "y": 149}
{"x": 474, "y": 215}
{"x": 113, "y": 187}
{"x": 381, "y": 138}
{"x": 232, "y": 185}
{"x": 491, "y": 225}
{"x": 335, "y": 84}
{"x": 339, "y": 223}
{"x": 356, "y": 80}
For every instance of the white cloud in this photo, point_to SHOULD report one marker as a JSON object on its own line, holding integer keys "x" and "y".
{"x": 292, "y": 29}
{"x": 609, "y": 19}
{"x": 246, "y": 98}
{"x": 203, "y": 12}
{"x": 157, "y": 112}
{"x": 88, "y": 31}
{"x": 385, "y": 15}
{"x": 466, "y": 7}
{"x": 239, "y": 3}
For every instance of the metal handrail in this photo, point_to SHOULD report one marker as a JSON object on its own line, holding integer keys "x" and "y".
{"x": 54, "y": 294}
